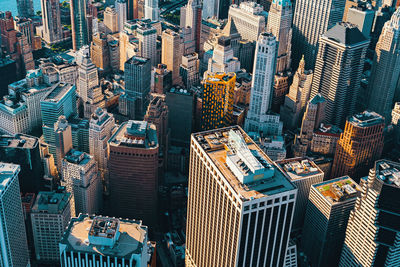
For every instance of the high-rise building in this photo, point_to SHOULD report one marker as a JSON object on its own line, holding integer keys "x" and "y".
{"x": 52, "y": 29}
{"x": 310, "y": 20}
{"x": 92, "y": 240}
{"x": 13, "y": 243}
{"x": 223, "y": 59}
{"x": 385, "y": 70}
{"x": 280, "y": 25}
{"x": 100, "y": 53}
{"x": 25, "y": 26}
{"x": 25, "y": 8}
{"x": 337, "y": 73}
{"x": 80, "y": 176}
{"x": 375, "y": 243}
{"x": 137, "y": 86}
{"x": 297, "y": 98}
{"x": 161, "y": 79}
{"x": 328, "y": 210}
{"x": 147, "y": 37}
{"x": 396, "y": 121}
{"x": 80, "y": 31}
{"x": 14, "y": 116}
{"x": 172, "y": 53}
{"x": 151, "y": 10}
{"x": 157, "y": 114}
{"x": 133, "y": 167}
{"x": 101, "y": 127}
{"x": 249, "y": 19}
{"x": 303, "y": 173}
{"x": 191, "y": 17}
{"x": 181, "y": 107}
{"x": 50, "y": 215}
{"x": 229, "y": 172}
{"x": 63, "y": 139}
{"x": 111, "y": 20}
{"x": 259, "y": 118}
{"x": 362, "y": 16}
{"x": 312, "y": 118}
{"x": 359, "y": 145}
{"x": 87, "y": 76}
{"x": 215, "y": 9}
{"x": 120, "y": 8}
{"x": 25, "y": 51}
{"x": 60, "y": 101}
{"x": 217, "y": 100}
{"x": 24, "y": 150}
{"x": 189, "y": 70}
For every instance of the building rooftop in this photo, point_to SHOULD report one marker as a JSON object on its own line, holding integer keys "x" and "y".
{"x": 181, "y": 91}
{"x": 298, "y": 168}
{"x": 366, "y": 118}
{"x": 220, "y": 77}
{"x": 19, "y": 141}
{"x": 51, "y": 202}
{"x": 388, "y": 172}
{"x": 136, "y": 60}
{"x": 318, "y": 98}
{"x": 58, "y": 92}
{"x": 329, "y": 129}
{"x": 77, "y": 157}
{"x": 345, "y": 33}
{"x": 339, "y": 189}
{"x": 7, "y": 171}
{"x": 135, "y": 134}
{"x": 242, "y": 163}
{"x": 106, "y": 236}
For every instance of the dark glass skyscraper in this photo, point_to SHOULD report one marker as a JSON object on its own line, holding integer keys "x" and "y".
{"x": 80, "y": 32}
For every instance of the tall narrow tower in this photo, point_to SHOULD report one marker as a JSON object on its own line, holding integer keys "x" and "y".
{"x": 376, "y": 242}
{"x": 280, "y": 25}
{"x": 337, "y": 74}
{"x": 191, "y": 17}
{"x": 80, "y": 31}
{"x": 386, "y": 68}
{"x": 52, "y": 28}
{"x": 120, "y": 7}
{"x": 310, "y": 20}
{"x": 240, "y": 205}
{"x": 151, "y": 10}
{"x": 262, "y": 85}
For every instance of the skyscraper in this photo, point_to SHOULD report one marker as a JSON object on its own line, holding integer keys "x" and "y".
{"x": 157, "y": 114}
{"x": 385, "y": 70}
{"x": 249, "y": 19}
{"x": 50, "y": 215}
{"x": 101, "y": 127}
{"x": 100, "y": 53}
{"x": 151, "y": 10}
{"x": 63, "y": 139}
{"x": 25, "y": 8}
{"x": 223, "y": 59}
{"x": 92, "y": 240}
{"x": 217, "y": 100}
{"x": 60, "y": 101}
{"x": 337, "y": 73}
{"x": 359, "y": 145}
{"x": 111, "y": 20}
{"x": 120, "y": 7}
{"x": 297, "y": 98}
{"x": 80, "y": 31}
{"x": 230, "y": 173}
{"x": 189, "y": 70}
{"x": 147, "y": 37}
{"x": 137, "y": 85}
{"x": 303, "y": 173}
{"x": 280, "y": 25}
{"x": 133, "y": 166}
{"x": 13, "y": 243}
{"x": 171, "y": 53}
{"x": 310, "y": 20}
{"x": 52, "y": 28}
{"x": 259, "y": 116}
{"x": 377, "y": 210}
{"x": 191, "y": 17}
{"x": 328, "y": 210}
{"x": 87, "y": 76}
{"x": 80, "y": 176}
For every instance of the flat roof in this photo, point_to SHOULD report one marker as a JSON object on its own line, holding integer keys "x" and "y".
{"x": 78, "y": 157}
{"x": 7, "y": 172}
{"x": 338, "y": 190}
{"x": 298, "y": 168}
{"x": 58, "y": 92}
{"x": 132, "y": 133}
{"x": 51, "y": 202}
{"x": 388, "y": 172}
{"x": 366, "y": 118}
{"x": 132, "y": 235}
{"x": 19, "y": 141}
{"x": 215, "y": 144}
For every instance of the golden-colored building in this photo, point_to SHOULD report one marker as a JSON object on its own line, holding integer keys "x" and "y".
{"x": 359, "y": 145}
{"x": 100, "y": 53}
{"x": 217, "y": 102}
{"x": 111, "y": 20}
